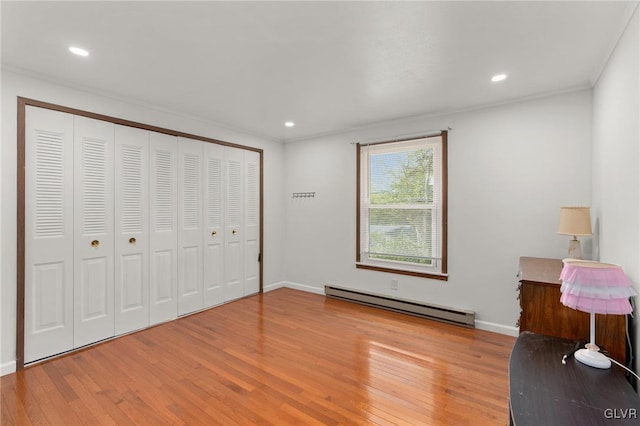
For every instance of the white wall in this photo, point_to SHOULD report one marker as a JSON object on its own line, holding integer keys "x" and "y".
{"x": 14, "y": 85}
{"x": 616, "y": 156}
{"x": 510, "y": 169}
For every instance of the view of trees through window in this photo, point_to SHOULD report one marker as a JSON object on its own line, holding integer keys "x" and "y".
{"x": 401, "y": 206}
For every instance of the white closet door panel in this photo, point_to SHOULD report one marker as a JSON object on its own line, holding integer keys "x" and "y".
{"x": 163, "y": 248}
{"x": 233, "y": 236}
{"x": 213, "y": 232}
{"x": 93, "y": 231}
{"x": 48, "y": 233}
{"x": 251, "y": 234}
{"x": 190, "y": 226}
{"x": 131, "y": 229}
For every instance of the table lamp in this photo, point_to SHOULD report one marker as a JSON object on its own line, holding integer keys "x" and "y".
{"x": 595, "y": 288}
{"x": 574, "y": 221}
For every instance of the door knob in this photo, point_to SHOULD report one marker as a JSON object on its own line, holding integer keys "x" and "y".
{"x": 95, "y": 243}
{"x": 234, "y": 232}
{"x": 213, "y": 233}
{"x": 132, "y": 240}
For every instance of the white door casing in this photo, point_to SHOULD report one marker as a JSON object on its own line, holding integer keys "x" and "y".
{"x": 131, "y": 229}
{"x": 48, "y": 316}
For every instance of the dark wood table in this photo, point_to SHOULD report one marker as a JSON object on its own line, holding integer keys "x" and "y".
{"x": 543, "y": 391}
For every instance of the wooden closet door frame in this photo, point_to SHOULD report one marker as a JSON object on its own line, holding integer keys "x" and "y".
{"x": 21, "y": 195}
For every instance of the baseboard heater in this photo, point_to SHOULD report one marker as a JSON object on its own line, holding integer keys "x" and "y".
{"x": 434, "y": 312}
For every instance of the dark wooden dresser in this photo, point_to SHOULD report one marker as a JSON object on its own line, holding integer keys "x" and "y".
{"x": 542, "y": 312}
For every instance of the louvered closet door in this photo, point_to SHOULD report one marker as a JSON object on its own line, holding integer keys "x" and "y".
{"x": 93, "y": 233}
{"x": 233, "y": 238}
{"x": 48, "y": 233}
{"x": 213, "y": 232}
{"x": 163, "y": 248}
{"x": 251, "y": 234}
{"x": 190, "y": 226}
{"x": 131, "y": 229}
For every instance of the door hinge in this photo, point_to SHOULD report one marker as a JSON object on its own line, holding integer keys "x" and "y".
{"x": 259, "y": 256}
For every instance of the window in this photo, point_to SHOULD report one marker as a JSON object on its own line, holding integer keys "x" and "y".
{"x": 402, "y": 206}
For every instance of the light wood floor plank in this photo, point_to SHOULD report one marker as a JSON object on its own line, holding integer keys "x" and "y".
{"x": 282, "y": 358}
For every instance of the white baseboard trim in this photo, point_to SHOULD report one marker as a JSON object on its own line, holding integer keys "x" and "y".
{"x": 273, "y": 286}
{"x": 295, "y": 286}
{"x": 7, "y": 368}
{"x": 304, "y": 287}
{"x": 497, "y": 328}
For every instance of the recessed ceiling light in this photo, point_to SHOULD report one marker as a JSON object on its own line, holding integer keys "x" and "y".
{"x": 289, "y": 123}
{"x": 498, "y": 77}
{"x": 79, "y": 51}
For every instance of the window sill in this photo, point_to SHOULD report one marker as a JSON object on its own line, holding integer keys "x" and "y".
{"x": 422, "y": 274}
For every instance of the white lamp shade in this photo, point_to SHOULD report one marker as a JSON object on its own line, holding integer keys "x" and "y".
{"x": 574, "y": 221}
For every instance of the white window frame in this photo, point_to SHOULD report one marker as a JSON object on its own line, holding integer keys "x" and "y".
{"x": 438, "y": 268}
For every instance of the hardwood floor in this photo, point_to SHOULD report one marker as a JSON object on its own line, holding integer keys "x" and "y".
{"x": 285, "y": 357}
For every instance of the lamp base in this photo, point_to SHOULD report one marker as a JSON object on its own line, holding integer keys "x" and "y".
{"x": 575, "y": 252}
{"x": 592, "y": 358}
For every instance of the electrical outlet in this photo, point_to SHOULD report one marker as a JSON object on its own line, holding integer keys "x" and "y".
{"x": 394, "y": 284}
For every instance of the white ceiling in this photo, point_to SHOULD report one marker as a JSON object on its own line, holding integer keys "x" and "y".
{"x": 328, "y": 66}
